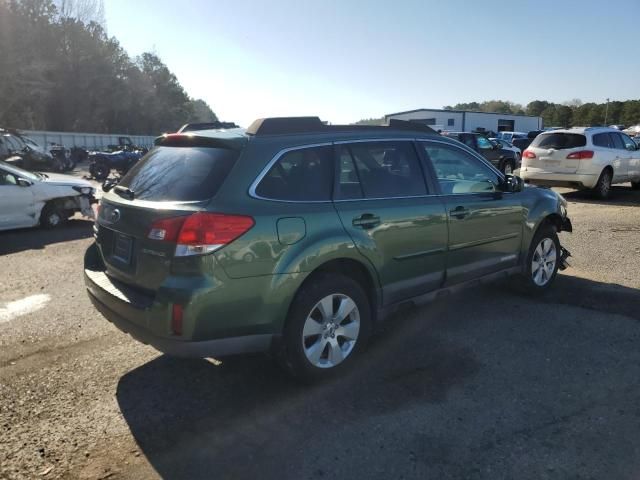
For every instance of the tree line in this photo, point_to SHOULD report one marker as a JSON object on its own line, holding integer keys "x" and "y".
{"x": 60, "y": 70}
{"x": 567, "y": 114}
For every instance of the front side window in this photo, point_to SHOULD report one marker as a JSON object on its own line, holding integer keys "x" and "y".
{"x": 628, "y": 143}
{"x": 617, "y": 142}
{"x": 300, "y": 175}
{"x": 7, "y": 178}
{"x": 459, "y": 172}
{"x": 380, "y": 170}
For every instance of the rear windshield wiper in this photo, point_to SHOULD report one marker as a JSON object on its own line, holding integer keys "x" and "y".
{"x": 124, "y": 192}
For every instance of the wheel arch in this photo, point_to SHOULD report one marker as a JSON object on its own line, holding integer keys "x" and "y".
{"x": 349, "y": 267}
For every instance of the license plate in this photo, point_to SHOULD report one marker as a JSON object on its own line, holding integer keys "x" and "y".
{"x": 122, "y": 248}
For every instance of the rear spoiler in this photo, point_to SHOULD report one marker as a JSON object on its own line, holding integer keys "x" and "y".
{"x": 191, "y": 140}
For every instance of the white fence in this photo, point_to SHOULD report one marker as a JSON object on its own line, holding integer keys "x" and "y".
{"x": 90, "y": 141}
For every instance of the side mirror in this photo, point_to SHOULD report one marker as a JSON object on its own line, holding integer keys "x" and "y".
{"x": 24, "y": 183}
{"x": 512, "y": 183}
{"x": 496, "y": 146}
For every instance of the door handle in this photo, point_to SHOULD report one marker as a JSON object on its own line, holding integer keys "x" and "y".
{"x": 459, "y": 212}
{"x": 366, "y": 220}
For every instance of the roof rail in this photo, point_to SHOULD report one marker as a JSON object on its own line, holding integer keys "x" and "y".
{"x": 293, "y": 125}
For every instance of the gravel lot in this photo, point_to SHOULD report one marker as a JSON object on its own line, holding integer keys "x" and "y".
{"x": 485, "y": 384}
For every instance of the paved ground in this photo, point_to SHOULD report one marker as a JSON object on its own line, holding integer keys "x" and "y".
{"x": 487, "y": 384}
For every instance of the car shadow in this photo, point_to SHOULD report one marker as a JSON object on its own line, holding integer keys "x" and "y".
{"x": 191, "y": 418}
{"x": 244, "y": 418}
{"x": 14, "y": 241}
{"x": 620, "y": 195}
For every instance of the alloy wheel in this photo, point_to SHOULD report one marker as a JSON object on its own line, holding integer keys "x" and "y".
{"x": 543, "y": 263}
{"x": 331, "y": 330}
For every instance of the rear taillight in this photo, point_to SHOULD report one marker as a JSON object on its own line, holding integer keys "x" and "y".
{"x": 528, "y": 154}
{"x": 581, "y": 155}
{"x": 200, "y": 232}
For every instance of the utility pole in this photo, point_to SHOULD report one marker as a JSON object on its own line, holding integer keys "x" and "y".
{"x": 606, "y": 113}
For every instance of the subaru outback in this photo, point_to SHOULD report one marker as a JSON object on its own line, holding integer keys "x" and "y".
{"x": 297, "y": 237}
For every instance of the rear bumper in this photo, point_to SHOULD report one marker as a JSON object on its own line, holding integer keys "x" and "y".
{"x": 219, "y": 318}
{"x": 550, "y": 179}
{"x": 180, "y": 348}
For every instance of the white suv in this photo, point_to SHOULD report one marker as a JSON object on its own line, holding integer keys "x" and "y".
{"x": 582, "y": 157}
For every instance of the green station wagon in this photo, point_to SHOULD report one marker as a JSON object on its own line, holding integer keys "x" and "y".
{"x": 297, "y": 237}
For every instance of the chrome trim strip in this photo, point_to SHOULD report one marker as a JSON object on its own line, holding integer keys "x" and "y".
{"x": 420, "y": 254}
{"x": 475, "y": 243}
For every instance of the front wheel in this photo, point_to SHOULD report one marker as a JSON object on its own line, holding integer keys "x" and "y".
{"x": 329, "y": 323}
{"x": 543, "y": 260}
{"x": 52, "y": 216}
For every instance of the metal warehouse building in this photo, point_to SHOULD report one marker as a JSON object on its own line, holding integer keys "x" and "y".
{"x": 465, "y": 121}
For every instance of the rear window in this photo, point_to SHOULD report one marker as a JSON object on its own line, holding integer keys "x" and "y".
{"x": 180, "y": 174}
{"x": 559, "y": 141}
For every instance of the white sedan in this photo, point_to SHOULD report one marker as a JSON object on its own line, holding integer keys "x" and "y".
{"x": 28, "y": 199}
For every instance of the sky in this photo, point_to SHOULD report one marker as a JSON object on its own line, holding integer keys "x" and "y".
{"x": 345, "y": 60}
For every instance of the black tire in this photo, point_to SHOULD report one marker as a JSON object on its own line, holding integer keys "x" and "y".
{"x": 52, "y": 216}
{"x": 291, "y": 351}
{"x": 100, "y": 171}
{"x": 602, "y": 189}
{"x": 635, "y": 185}
{"x": 528, "y": 283}
{"x": 508, "y": 164}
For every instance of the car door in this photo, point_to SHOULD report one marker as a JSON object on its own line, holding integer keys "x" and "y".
{"x": 384, "y": 204}
{"x": 485, "y": 225}
{"x": 17, "y": 208}
{"x": 622, "y": 158}
{"x": 633, "y": 168}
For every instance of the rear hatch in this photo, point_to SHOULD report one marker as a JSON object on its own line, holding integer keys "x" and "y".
{"x": 555, "y": 152}
{"x": 174, "y": 180}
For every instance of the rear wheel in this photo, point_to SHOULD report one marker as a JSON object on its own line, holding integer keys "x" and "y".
{"x": 329, "y": 323}
{"x": 603, "y": 187}
{"x": 52, "y": 216}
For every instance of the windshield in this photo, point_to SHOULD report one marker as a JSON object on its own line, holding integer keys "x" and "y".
{"x": 179, "y": 174}
{"x": 559, "y": 141}
{"x": 19, "y": 172}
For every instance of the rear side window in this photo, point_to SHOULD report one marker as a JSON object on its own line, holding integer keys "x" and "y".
{"x": 559, "y": 141}
{"x": 380, "y": 170}
{"x": 300, "y": 175}
{"x": 602, "y": 140}
{"x": 180, "y": 174}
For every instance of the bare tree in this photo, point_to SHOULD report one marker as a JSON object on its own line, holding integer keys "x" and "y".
{"x": 85, "y": 11}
